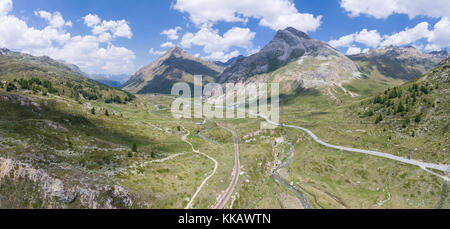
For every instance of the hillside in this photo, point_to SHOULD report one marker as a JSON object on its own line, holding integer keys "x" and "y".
{"x": 43, "y": 76}
{"x": 174, "y": 66}
{"x": 418, "y": 109}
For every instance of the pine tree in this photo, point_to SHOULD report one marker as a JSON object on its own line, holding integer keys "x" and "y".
{"x": 93, "y": 111}
{"x": 106, "y": 112}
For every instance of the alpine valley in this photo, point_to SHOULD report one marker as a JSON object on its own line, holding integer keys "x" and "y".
{"x": 362, "y": 131}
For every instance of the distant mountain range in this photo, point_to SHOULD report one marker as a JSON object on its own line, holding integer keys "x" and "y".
{"x": 292, "y": 58}
{"x": 401, "y": 63}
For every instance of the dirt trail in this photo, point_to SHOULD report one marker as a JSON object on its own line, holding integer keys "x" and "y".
{"x": 216, "y": 165}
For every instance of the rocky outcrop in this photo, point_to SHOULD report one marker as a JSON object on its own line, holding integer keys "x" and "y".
{"x": 52, "y": 192}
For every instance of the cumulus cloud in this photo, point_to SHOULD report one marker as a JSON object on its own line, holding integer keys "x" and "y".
{"x": 353, "y": 50}
{"x": 91, "y": 20}
{"x": 92, "y": 53}
{"x": 221, "y": 56}
{"x": 408, "y": 36}
{"x": 213, "y": 42}
{"x": 385, "y": 8}
{"x": 436, "y": 38}
{"x": 152, "y": 51}
{"x": 167, "y": 45}
{"x": 440, "y": 36}
{"x": 275, "y": 14}
{"x": 5, "y": 7}
{"x": 172, "y": 34}
{"x": 55, "y": 19}
{"x": 369, "y": 38}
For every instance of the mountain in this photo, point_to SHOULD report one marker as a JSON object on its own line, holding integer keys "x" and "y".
{"x": 74, "y": 68}
{"x": 230, "y": 62}
{"x": 43, "y": 75}
{"x": 22, "y": 60}
{"x": 406, "y": 63}
{"x": 443, "y": 54}
{"x": 174, "y": 66}
{"x": 294, "y": 60}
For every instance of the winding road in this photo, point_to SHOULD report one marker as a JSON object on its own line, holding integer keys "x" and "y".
{"x": 237, "y": 166}
{"x": 423, "y": 165}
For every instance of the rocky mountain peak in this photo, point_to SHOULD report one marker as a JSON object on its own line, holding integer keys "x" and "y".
{"x": 290, "y": 31}
{"x": 288, "y": 45}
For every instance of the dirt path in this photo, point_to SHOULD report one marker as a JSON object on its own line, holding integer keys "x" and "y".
{"x": 237, "y": 165}
{"x": 216, "y": 165}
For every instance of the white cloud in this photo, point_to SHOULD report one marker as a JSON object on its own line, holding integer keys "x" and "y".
{"x": 5, "y": 7}
{"x": 353, "y": 50}
{"x": 440, "y": 36}
{"x": 369, "y": 38}
{"x": 55, "y": 19}
{"x": 92, "y": 53}
{"x": 385, "y": 8}
{"x": 344, "y": 41}
{"x": 436, "y": 39}
{"x": 275, "y": 14}
{"x": 407, "y": 36}
{"x": 114, "y": 28}
{"x": 152, "y": 51}
{"x": 168, "y": 45}
{"x": 172, "y": 34}
{"x": 221, "y": 56}
{"x": 212, "y": 42}
{"x": 91, "y": 20}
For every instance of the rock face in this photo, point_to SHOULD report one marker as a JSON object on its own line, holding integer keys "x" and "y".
{"x": 400, "y": 63}
{"x": 43, "y": 190}
{"x": 294, "y": 60}
{"x": 287, "y": 46}
{"x": 173, "y": 67}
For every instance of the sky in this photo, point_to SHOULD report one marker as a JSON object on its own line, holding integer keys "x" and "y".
{"x": 121, "y": 36}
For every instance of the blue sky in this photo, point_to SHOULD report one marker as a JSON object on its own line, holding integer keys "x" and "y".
{"x": 124, "y": 32}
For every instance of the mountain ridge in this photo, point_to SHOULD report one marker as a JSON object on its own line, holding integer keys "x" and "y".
{"x": 174, "y": 66}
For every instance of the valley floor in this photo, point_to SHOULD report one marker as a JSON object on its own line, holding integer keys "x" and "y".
{"x": 90, "y": 159}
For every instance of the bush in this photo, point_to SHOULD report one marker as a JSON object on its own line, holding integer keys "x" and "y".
{"x": 11, "y": 87}
{"x": 93, "y": 111}
{"x": 134, "y": 147}
{"x": 106, "y": 112}
{"x": 418, "y": 118}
